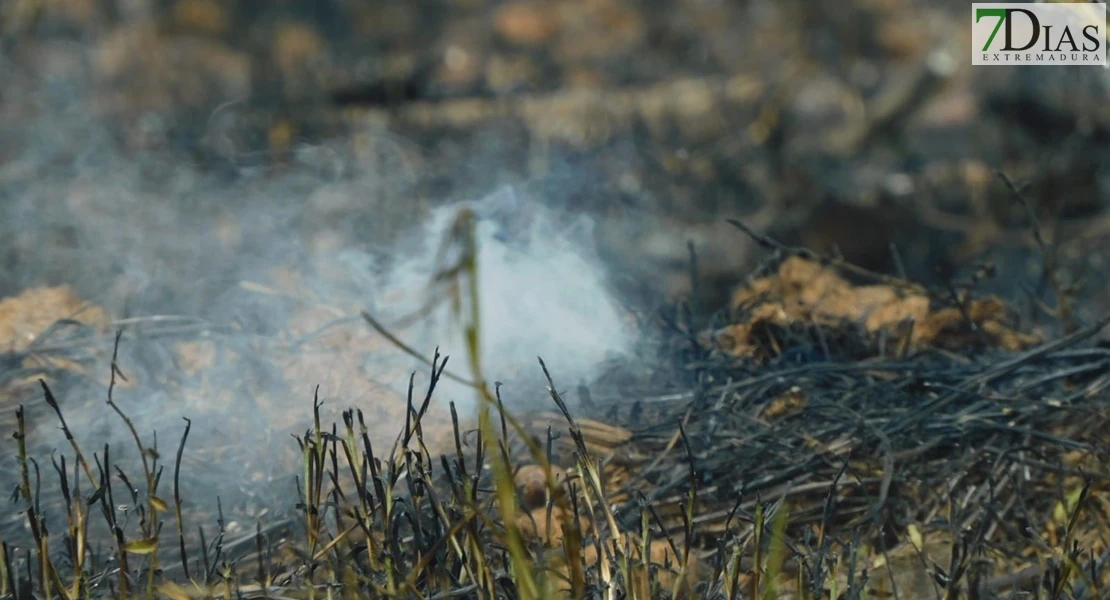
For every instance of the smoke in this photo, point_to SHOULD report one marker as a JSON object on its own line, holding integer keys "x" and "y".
{"x": 542, "y": 292}
{"x": 239, "y": 289}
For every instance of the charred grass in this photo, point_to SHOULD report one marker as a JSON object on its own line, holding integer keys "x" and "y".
{"x": 817, "y": 463}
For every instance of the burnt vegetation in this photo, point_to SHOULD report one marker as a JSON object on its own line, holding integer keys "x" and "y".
{"x": 825, "y": 460}
{"x": 878, "y": 369}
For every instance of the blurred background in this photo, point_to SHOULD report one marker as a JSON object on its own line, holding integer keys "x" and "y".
{"x": 231, "y": 182}
{"x": 846, "y": 125}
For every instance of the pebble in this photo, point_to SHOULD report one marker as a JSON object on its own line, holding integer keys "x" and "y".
{"x": 525, "y": 23}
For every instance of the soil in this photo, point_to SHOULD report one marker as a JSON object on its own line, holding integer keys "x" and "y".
{"x": 856, "y": 129}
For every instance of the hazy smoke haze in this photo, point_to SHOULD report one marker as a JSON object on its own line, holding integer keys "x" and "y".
{"x": 239, "y": 288}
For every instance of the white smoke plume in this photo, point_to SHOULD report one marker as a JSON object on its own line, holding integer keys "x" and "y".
{"x": 255, "y": 266}
{"x": 542, "y": 292}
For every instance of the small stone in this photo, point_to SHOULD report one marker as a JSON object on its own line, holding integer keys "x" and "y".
{"x": 461, "y": 65}
{"x": 531, "y": 481}
{"x": 525, "y": 23}
{"x": 201, "y": 16}
{"x": 296, "y": 47}
{"x": 953, "y": 109}
{"x": 535, "y": 525}
{"x": 902, "y": 37}
{"x": 661, "y": 553}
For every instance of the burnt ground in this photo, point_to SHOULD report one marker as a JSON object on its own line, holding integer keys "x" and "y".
{"x": 847, "y": 128}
